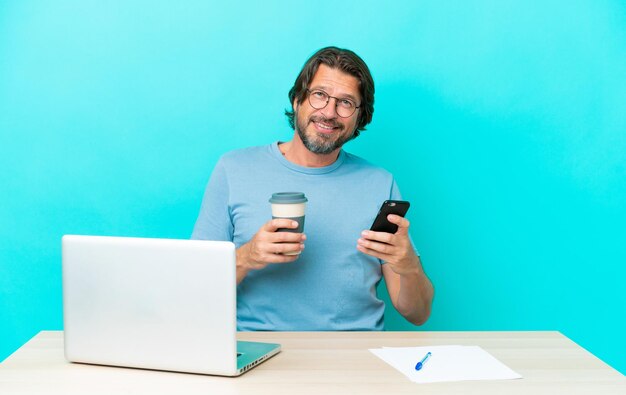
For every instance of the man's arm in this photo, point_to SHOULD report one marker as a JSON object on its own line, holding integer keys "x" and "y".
{"x": 411, "y": 294}
{"x": 410, "y": 290}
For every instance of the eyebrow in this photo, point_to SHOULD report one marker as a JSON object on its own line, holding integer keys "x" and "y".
{"x": 324, "y": 88}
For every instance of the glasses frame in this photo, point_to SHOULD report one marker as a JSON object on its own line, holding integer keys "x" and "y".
{"x": 328, "y": 101}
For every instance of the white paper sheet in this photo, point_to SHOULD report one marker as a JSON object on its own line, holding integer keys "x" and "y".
{"x": 447, "y": 363}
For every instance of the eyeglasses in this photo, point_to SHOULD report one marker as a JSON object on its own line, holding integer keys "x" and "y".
{"x": 319, "y": 99}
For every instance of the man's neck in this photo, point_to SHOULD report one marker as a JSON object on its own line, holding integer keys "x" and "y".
{"x": 295, "y": 152}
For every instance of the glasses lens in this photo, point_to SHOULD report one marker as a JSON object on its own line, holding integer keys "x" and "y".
{"x": 318, "y": 99}
{"x": 345, "y": 108}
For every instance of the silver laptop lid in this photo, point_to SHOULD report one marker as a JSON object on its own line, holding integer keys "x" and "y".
{"x": 150, "y": 303}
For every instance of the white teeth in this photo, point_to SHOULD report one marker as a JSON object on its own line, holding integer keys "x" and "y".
{"x": 322, "y": 126}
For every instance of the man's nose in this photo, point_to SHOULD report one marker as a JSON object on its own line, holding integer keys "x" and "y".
{"x": 330, "y": 111}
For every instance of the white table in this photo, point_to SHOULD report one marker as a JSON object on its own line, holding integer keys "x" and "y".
{"x": 325, "y": 363}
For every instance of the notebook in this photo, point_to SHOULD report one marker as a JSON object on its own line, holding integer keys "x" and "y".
{"x": 155, "y": 304}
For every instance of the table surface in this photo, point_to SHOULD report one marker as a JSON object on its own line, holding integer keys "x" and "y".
{"x": 326, "y": 363}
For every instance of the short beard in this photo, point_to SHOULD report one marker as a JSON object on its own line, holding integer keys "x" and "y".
{"x": 326, "y": 143}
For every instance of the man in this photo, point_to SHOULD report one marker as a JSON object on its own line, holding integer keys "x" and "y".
{"x": 330, "y": 285}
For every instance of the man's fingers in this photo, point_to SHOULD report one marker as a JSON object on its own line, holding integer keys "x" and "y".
{"x": 383, "y": 237}
{"x": 283, "y": 258}
{"x": 403, "y": 223}
{"x": 374, "y": 253}
{"x": 280, "y": 223}
{"x": 275, "y": 252}
{"x": 282, "y": 248}
{"x": 398, "y": 220}
{"x": 383, "y": 248}
{"x": 285, "y": 237}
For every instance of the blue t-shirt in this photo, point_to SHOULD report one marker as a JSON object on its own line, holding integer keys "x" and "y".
{"x": 332, "y": 285}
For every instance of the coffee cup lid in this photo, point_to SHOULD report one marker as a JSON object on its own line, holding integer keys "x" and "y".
{"x": 288, "y": 198}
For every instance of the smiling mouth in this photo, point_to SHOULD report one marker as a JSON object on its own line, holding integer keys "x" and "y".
{"x": 325, "y": 126}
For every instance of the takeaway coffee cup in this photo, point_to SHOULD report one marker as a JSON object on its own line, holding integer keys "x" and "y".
{"x": 289, "y": 205}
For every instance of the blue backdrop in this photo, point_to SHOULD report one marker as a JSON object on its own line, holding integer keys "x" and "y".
{"x": 503, "y": 121}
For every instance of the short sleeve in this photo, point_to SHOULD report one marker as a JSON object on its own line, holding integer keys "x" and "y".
{"x": 214, "y": 221}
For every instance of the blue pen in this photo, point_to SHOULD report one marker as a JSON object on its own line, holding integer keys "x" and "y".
{"x": 421, "y": 363}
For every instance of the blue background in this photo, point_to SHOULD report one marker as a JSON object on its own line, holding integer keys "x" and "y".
{"x": 503, "y": 121}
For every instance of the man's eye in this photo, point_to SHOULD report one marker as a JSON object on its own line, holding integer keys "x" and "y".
{"x": 346, "y": 103}
{"x": 319, "y": 95}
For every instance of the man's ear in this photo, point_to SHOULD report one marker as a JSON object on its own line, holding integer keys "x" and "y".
{"x": 295, "y": 105}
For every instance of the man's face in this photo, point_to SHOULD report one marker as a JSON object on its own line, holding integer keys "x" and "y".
{"x": 323, "y": 131}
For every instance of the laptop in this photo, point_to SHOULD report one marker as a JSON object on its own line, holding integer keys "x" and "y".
{"x": 154, "y": 304}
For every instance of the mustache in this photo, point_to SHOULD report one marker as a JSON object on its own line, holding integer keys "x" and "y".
{"x": 332, "y": 122}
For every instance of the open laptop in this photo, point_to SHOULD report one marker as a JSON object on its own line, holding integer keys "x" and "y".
{"x": 154, "y": 304}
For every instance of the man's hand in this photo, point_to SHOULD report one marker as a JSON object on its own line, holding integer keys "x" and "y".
{"x": 269, "y": 246}
{"x": 411, "y": 292}
{"x": 394, "y": 249}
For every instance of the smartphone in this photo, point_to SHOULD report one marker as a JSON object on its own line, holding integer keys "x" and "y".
{"x": 398, "y": 207}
